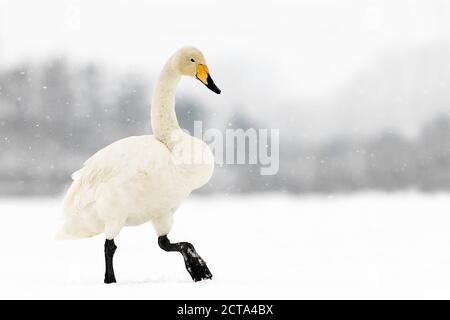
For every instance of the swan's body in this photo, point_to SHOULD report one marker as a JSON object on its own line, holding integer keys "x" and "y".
{"x": 133, "y": 181}
{"x": 144, "y": 178}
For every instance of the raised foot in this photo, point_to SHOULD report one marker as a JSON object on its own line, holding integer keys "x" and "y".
{"x": 195, "y": 265}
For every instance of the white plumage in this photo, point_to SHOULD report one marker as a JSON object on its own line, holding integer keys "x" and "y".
{"x": 130, "y": 182}
{"x": 143, "y": 178}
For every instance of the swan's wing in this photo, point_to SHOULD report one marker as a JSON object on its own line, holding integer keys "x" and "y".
{"x": 95, "y": 171}
{"x": 133, "y": 154}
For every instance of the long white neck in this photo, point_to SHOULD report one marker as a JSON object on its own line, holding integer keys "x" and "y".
{"x": 163, "y": 116}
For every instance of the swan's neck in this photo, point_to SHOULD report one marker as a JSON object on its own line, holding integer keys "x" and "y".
{"x": 164, "y": 118}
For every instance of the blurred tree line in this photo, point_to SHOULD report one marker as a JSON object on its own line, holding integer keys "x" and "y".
{"x": 53, "y": 116}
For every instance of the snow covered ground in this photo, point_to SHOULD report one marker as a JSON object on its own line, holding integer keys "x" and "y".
{"x": 259, "y": 247}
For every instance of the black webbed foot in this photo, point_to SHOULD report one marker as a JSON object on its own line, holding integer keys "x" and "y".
{"x": 195, "y": 265}
{"x": 110, "y": 278}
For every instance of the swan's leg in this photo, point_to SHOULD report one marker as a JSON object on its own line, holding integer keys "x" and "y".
{"x": 195, "y": 265}
{"x": 112, "y": 229}
{"x": 110, "y": 248}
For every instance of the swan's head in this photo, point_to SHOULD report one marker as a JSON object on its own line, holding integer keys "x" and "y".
{"x": 189, "y": 61}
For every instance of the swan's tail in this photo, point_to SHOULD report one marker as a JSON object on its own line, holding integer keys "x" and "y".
{"x": 71, "y": 201}
{"x": 79, "y": 222}
{"x": 74, "y": 229}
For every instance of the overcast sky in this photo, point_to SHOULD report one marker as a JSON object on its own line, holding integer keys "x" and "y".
{"x": 265, "y": 50}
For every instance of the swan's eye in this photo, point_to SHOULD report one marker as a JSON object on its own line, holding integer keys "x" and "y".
{"x": 192, "y": 60}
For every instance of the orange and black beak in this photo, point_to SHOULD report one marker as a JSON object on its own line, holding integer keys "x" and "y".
{"x": 205, "y": 78}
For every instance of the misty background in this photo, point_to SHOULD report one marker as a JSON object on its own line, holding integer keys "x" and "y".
{"x": 358, "y": 89}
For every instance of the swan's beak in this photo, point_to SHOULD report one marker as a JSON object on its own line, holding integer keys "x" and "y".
{"x": 203, "y": 76}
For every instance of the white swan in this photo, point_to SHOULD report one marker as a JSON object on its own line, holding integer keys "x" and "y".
{"x": 144, "y": 178}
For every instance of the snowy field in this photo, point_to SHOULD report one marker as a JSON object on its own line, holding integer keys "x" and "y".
{"x": 258, "y": 247}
